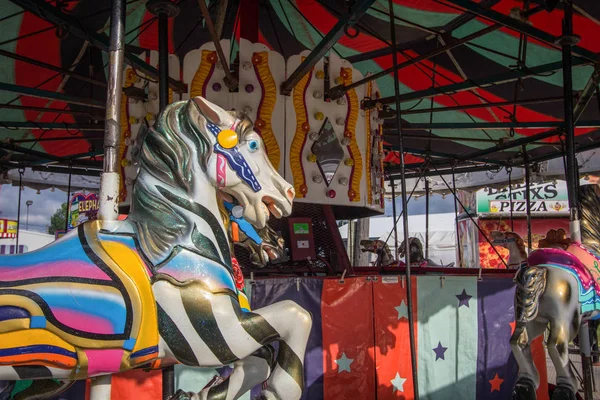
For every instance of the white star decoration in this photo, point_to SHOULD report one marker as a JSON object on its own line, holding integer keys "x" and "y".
{"x": 402, "y": 310}
{"x": 398, "y": 383}
{"x": 344, "y": 363}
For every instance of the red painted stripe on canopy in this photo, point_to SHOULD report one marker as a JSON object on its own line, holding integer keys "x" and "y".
{"x": 149, "y": 38}
{"x": 30, "y": 76}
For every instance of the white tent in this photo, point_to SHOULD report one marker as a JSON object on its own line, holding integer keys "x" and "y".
{"x": 28, "y": 241}
{"x": 442, "y": 234}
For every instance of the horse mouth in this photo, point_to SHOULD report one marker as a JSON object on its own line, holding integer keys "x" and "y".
{"x": 273, "y": 207}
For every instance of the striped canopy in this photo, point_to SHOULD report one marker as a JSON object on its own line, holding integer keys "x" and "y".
{"x": 483, "y": 70}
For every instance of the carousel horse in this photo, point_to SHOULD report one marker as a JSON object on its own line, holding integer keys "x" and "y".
{"x": 558, "y": 288}
{"x": 385, "y": 257}
{"x": 380, "y": 248}
{"x": 514, "y": 244}
{"x": 158, "y": 288}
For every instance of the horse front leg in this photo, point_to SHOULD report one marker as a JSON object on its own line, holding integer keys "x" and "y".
{"x": 206, "y": 329}
{"x": 528, "y": 378}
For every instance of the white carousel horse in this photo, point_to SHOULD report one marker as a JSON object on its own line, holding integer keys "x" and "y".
{"x": 158, "y": 288}
{"x": 515, "y": 246}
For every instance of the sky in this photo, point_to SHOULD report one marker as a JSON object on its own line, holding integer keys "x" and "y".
{"x": 47, "y": 202}
{"x": 44, "y": 205}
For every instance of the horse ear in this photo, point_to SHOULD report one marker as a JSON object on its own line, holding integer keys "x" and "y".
{"x": 210, "y": 111}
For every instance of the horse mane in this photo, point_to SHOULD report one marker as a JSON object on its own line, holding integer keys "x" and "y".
{"x": 170, "y": 150}
{"x": 589, "y": 200}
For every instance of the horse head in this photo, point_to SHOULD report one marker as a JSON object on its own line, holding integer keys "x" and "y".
{"x": 238, "y": 165}
{"x": 415, "y": 250}
{"x": 195, "y": 152}
{"x": 513, "y": 242}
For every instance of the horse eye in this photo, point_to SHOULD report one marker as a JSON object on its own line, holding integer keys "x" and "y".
{"x": 253, "y": 145}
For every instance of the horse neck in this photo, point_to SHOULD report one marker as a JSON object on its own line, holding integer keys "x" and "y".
{"x": 178, "y": 213}
{"x": 517, "y": 255}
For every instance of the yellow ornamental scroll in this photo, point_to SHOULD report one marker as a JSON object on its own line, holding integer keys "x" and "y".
{"x": 302, "y": 128}
{"x": 350, "y": 133}
{"x": 203, "y": 73}
{"x": 267, "y": 105}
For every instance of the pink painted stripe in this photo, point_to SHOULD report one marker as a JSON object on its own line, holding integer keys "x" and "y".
{"x": 103, "y": 361}
{"x": 83, "y": 322}
{"x": 72, "y": 268}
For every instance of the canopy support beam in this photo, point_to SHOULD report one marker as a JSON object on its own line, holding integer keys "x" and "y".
{"x": 453, "y": 88}
{"x": 53, "y": 15}
{"x": 46, "y": 94}
{"x": 529, "y": 30}
{"x": 339, "y": 91}
{"x": 325, "y": 45}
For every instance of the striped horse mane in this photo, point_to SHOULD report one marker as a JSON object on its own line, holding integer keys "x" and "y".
{"x": 173, "y": 161}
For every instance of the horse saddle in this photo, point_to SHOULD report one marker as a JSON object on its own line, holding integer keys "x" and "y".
{"x": 83, "y": 303}
{"x": 580, "y": 260}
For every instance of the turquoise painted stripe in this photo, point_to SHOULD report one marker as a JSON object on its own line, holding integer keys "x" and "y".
{"x": 429, "y": 19}
{"x": 536, "y": 54}
{"x": 108, "y": 306}
{"x": 442, "y": 321}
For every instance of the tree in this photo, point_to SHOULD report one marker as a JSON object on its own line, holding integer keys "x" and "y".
{"x": 57, "y": 221}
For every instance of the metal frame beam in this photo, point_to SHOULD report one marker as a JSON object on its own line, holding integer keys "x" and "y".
{"x": 53, "y": 15}
{"x": 488, "y": 125}
{"x": 50, "y": 126}
{"x": 52, "y": 68}
{"x": 53, "y": 110}
{"x": 67, "y": 171}
{"x": 521, "y": 27}
{"x": 46, "y": 94}
{"x": 453, "y": 88}
{"x": 324, "y": 45}
{"x": 339, "y": 91}
{"x": 474, "y": 106}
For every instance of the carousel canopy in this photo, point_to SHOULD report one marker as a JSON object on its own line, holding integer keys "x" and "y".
{"x": 478, "y": 80}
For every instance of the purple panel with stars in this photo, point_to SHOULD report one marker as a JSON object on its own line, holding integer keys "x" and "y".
{"x": 307, "y": 293}
{"x": 495, "y": 299}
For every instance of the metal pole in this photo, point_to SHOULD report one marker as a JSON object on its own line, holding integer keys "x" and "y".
{"x": 109, "y": 184}
{"x": 426, "y": 218}
{"x": 527, "y": 196}
{"x": 21, "y": 171}
{"x": 68, "y": 203}
{"x": 567, "y": 41}
{"x": 510, "y": 199}
{"x": 395, "y": 228}
{"x": 456, "y": 218}
{"x": 411, "y": 331}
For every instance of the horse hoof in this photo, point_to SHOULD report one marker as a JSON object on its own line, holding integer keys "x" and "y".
{"x": 524, "y": 390}
{"x": 181, "y": 395}
{"x": 563, "y": 392}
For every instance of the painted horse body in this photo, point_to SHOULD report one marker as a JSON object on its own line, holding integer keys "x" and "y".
{"x": 159, "y": 288}
{"x": 558, "y": 289}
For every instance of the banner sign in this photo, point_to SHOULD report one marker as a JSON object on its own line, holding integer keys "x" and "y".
{"x": 8, "y": 229}
{"x": 83, "y": 208}
{"x": 549, "y": 197}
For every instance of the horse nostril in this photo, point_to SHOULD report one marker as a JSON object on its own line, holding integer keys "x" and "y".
{"x": 291, "y": 194}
